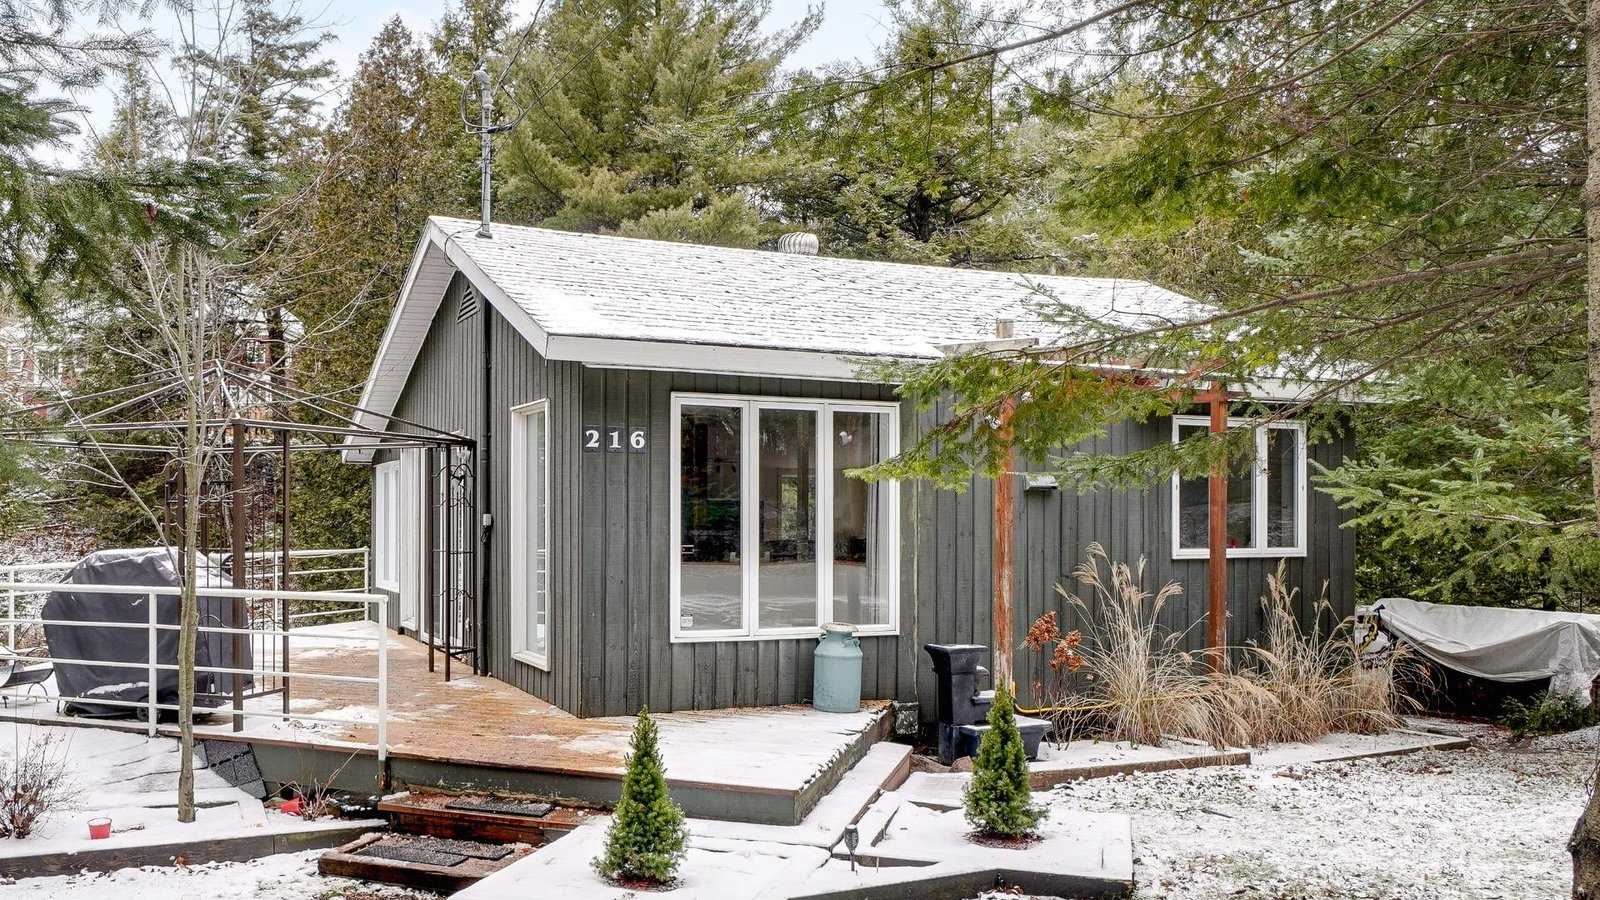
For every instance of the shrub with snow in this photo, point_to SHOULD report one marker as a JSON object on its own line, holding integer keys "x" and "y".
{"x": 647, "y": 839}
{"x": 999, "y": 800}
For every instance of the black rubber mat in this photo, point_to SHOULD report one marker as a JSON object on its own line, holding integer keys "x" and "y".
{"x": 474, "y": 849}
{"x": 413, "y": 854}
{"x": 529, "y": 808}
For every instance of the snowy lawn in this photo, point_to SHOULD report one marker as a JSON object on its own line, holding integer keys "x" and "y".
{"x": 1485, "y": 824}
{"x": 291, "y": 876}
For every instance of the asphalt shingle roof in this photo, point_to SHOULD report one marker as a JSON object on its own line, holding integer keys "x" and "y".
{"x": 610, "y": 287}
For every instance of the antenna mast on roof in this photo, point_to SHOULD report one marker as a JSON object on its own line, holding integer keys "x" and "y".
{"x": 480, "y": 77}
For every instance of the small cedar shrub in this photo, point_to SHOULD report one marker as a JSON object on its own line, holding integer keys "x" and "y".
{"x": 999, "y": 801}
{"x": 647, "y": 839}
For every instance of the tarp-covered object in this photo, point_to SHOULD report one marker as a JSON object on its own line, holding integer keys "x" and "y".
{"x": 1501, "y": 644}
{"x": 92, "y": 640}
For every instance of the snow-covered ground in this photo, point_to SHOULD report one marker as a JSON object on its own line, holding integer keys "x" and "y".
{"x": 1488, "y": 823}
{"x": 291, "y": 876}
{"x": 1475, "y": 824}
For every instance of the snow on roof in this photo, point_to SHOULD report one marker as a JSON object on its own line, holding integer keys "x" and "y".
{"x": 630, "y": 303}
{"x": 585, "y": 285}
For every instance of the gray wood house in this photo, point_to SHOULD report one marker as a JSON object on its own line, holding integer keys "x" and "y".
{"x": 650, "y": 506}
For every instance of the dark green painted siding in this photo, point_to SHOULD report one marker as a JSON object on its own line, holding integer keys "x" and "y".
{"x": 445, "y": 390}
{"x": 611, "y": 546}
{"x": 626, "y": 543}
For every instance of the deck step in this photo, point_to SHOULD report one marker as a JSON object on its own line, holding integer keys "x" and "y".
{"x": 420, "y": 861}
{"x": 480, "y": 817}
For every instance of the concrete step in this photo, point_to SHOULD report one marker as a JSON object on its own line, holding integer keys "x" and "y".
{"x": 884, "y": 768}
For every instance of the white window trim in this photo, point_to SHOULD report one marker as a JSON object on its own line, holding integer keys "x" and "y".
{"x": 1258, "y": 495}
{"x": 519, "y": 534}
{"x": 385, "y": 536}
{"x": 749, "y": 448}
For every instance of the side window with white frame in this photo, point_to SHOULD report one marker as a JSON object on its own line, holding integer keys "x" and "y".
{"x": 771, "y": 536}
{"x": 530, "y": 533}
{"x": 386, "y": 540}
{"x": 1267, "y": 493}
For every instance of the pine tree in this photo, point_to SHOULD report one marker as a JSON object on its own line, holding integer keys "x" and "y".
{"x": 999, "y": 801}
{"x": 945, "y": 167}
{"x": 633, "y": 108}
{"x": 647, "y": 838}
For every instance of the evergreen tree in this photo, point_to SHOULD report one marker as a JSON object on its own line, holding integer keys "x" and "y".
{"x": 632, "y": 108}
{"x": 944, "y": 166}
{"x": 141, "y": 126}
{"x": 257, "y": 87}
{"x": 392, "y": 168}
{"x": 647, "y": 839}
{"x": 999, "y": 800}
{"x": 64, "y": 226}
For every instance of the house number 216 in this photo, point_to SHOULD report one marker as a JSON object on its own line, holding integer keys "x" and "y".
{"x": 614, "y": 439}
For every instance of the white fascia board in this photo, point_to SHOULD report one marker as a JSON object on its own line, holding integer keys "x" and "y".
{"x": 1293, "y": 390}
{"x": 426, "y": 280}
{"x": 615, "y": 353}
{"x": 461, "y": 258}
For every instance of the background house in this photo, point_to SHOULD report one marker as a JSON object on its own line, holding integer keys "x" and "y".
{"x": 662, "y": 431}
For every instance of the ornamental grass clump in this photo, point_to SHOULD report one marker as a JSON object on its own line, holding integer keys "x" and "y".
{"x": 999, "y": 800}
{"x": 1301, "y": 685}
{"x": 647, "y": 838}
{"x": 1142, "y": 685}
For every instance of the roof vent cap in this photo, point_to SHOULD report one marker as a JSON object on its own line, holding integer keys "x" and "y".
{"x": 802, "y": 243}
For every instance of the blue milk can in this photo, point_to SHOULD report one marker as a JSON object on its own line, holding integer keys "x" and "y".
{"x": 836, "y": 682}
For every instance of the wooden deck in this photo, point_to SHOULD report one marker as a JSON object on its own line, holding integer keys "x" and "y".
{"x": 768, "y": 764}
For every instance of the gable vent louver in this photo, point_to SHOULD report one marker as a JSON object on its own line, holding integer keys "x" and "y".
{"x": 469, "y": 305}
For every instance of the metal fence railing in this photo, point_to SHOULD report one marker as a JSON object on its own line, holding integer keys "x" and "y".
{"x": 341, "y": 570}
{"x": 24, "y": 616}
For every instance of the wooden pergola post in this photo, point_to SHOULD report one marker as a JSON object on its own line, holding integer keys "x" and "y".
{"x": 1005, "y": 505}
{"x": 1217, "y": 564}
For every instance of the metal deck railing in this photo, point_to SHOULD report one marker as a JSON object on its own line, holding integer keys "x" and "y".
{"x": 24, "y": 617}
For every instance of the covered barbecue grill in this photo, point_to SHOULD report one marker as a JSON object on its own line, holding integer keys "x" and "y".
{"x": 81, "y": 683}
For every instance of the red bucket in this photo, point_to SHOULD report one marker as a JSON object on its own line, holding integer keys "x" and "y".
{"x": 99, "y": 828}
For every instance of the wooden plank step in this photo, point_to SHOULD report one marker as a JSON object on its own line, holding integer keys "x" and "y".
{"x": 418, "y": 861}
{"x": 439, "y": 815}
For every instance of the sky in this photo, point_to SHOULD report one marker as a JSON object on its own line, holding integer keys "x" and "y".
{"x": 851, "y": 29}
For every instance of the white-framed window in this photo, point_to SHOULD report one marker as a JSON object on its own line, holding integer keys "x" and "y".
{"x": 770, "y": 537}
{"x": 530, "y": 533}
{"x": 1266, "y": 496}
{"x": 386, "y": 537}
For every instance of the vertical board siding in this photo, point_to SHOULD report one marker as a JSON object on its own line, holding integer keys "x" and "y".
{"x": 611, "y": 548}
{"x": 625, "y": 546}
{"x": 445, "y": 390}
{"x": 950, "y": 551}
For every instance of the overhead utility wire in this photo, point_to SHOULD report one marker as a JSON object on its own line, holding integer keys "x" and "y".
{"x": 466, "y": 89}
{"x": 985, "y": 53}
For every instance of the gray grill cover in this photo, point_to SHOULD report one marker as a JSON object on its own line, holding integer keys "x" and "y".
{"x": 1502, "y": 644}
{"x": 154, "y": 567}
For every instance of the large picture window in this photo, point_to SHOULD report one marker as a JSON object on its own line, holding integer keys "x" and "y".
{"x": 1266, "y": 494}
{"x": 772, "y": 538}
{"x": 530, "y": 533}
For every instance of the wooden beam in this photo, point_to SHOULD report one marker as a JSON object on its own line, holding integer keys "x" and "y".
{"x": 1005, "y": 505}
{"x": 1217, "y": 565}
